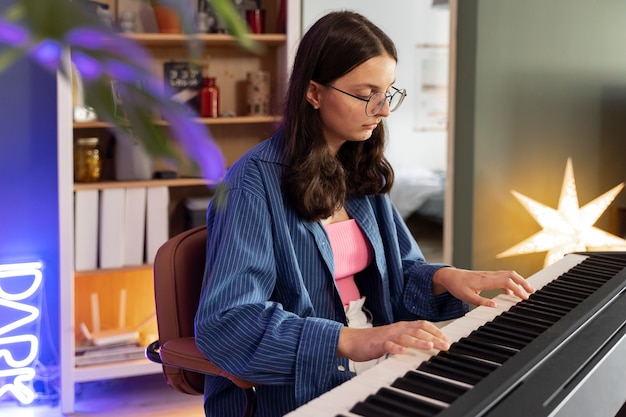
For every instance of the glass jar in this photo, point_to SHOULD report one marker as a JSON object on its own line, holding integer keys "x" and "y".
{"x": 87, "y": 162}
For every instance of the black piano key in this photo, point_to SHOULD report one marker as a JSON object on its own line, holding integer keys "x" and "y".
{"x": 368, "y": 409}
{"x": 553, "y": 299}
{"x": 496, "y": 339}
{"x": 464, "y": 363}
{"x": 585, "y": 278}
{"x": 449, "y": 372}
{"x": 519, "y": 325}
{"x": 575, "y": 285}
{"x": 528, "y": 318}
{"x": 501, "y": 326}
{"x": 484, "y": 352}
{"x": 579, "y": 286}
{"x": 573, "y": 279}
{"x": 516, "y": 340}
{"x": 389, "y": 403}
{"x": 609, "y": 266}
{"x": 539, "y": 305}
{"x": 562, "y": 293}
{"x": 494, "y": 348}
{"x": 604, "y": 265}
{"x": 566, "y": 293}
{"x": 597, "y": 272}
{"x": 576, "y": 289}
{"x": 536, "y": 313}
{"x": 429, "y": 386}
{"x": 458, "y": 359}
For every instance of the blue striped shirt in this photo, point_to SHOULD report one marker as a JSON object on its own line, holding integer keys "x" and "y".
{"x": 270, "y": 312}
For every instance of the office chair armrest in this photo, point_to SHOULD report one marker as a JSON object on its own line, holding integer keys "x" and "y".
{"x": 183, "y": 353}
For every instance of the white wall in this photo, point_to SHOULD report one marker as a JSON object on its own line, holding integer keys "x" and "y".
{"x": 411, "y": 24}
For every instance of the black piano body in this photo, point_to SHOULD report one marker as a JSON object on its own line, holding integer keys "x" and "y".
{"x": 576, "y": 367}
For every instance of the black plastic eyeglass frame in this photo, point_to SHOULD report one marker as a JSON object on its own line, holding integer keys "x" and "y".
{"x": 388, "y": 97}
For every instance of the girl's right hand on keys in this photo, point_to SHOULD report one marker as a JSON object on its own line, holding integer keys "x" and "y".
{"x": 365, "y": 344}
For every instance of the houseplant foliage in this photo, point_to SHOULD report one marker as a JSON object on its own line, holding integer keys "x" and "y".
{"x": 46, "y": 31}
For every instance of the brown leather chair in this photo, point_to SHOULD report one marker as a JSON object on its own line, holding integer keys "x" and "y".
{"x": 178, "y": 271}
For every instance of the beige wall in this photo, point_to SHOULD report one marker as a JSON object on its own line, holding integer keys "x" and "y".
{"x": 538, "y": 81}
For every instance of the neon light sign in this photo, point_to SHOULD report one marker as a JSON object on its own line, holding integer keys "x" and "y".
{"x": 19, "y": 347}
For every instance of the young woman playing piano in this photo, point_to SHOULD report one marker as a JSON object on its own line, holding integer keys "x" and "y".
{"x": 310, "y": 270}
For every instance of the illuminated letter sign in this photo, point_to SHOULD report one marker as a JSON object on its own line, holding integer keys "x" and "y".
{"x": 20, "y": 285}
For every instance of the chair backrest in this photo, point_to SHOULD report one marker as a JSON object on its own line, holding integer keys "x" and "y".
{"x": 178, "y": 273}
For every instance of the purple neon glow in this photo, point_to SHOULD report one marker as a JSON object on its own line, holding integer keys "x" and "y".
{"x": 48, "y": 54}
{"x": 197, "y": 142}
{"x": 12, "y": 33}
{"x": 88, "y": 67}
{"x": 99, "y": 40}
{"x": 122, "y": 71}
{"x": 87, "y": 38}
{"x": 129, "y": 49}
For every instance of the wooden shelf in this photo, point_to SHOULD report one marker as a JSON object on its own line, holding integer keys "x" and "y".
{"x": 116, "y": 370}
{"x": 174, "y": 182}
{"x": 230, "y": 63}
{"x": 137, "y": 269}
{"x": 237, "y": 120}
{"x": 91, "y": 125}
{"x": 217, "y": 39}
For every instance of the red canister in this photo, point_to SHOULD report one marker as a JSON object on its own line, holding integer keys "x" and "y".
{"x": 209, "y": 98}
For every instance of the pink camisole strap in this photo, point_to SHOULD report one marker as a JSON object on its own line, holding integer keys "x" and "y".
{"x": 352, "y": 253}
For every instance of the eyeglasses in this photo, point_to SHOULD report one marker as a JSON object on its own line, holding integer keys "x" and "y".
{"x": 376, "y": 101}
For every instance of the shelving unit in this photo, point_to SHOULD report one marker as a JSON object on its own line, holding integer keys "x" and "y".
{"x": 229, "y": 63}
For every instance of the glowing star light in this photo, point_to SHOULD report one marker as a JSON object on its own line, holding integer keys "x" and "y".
{"x": 570, "y": 227}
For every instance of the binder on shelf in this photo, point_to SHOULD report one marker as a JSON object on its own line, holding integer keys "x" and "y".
{"x": 86, "y": 207}
{"x": 112, "y": 227}
{"x": 134, "y": 226}
{"x": 157, "y": 220}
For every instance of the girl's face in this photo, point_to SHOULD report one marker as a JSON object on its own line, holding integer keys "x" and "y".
{"x": 343, "y": 117}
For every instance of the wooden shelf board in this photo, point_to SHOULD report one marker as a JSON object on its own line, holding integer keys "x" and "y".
{"x": 237, "y": 120}
{"x": 213, "y": 39}
{"x": 139, "y": 268}
{"x": 175, "y": 182}
{"x": 116, "y": 370}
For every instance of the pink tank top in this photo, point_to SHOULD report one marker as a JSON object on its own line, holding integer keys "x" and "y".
{"x": 352, "y": 252}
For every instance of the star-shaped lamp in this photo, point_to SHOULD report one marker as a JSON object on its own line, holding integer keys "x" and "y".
{"x": 570, "y": 227}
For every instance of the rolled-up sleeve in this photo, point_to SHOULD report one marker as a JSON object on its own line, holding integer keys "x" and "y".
{"x": 239, "y": 324}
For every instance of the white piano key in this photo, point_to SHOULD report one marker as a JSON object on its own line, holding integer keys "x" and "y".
{"x": 338, "y": 400}
{"x": 341, "y": 399}
{"x": 505, "y": 301}
{"x": 457, "y": 330}
{"x": 555, "y": 270}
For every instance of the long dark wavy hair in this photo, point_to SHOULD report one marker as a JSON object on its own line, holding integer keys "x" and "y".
{"x": 316, "y": 182}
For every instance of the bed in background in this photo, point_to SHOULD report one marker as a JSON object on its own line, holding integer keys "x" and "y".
{"x": 419, "y": 191}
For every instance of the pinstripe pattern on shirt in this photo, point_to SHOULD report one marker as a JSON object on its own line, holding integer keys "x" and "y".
{"x": 270, "y": 311}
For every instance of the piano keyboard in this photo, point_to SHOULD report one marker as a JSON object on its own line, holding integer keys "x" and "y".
{"x": 426, "y": 383}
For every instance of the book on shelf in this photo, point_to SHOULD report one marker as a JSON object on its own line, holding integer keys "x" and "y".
{"x": 184, "y": 79}
{"x": 92, "y": 355}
